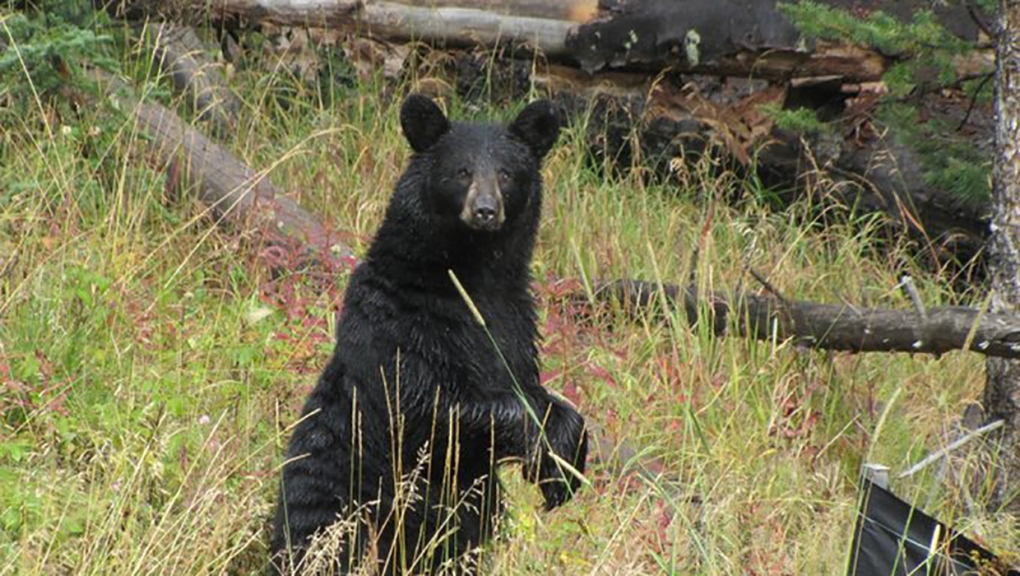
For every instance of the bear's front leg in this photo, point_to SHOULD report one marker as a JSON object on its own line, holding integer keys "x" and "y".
{"x": 511, "y": 420}
{"x": 564, "y": 434}
{"x": 529, "y": 428}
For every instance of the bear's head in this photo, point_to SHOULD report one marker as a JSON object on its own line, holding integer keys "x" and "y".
{"x": 481, "y": 176}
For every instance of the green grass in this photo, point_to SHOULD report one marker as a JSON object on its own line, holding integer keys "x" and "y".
{"x": 150, "y": 365}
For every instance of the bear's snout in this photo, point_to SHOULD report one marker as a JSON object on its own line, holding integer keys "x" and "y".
{"x": 486, "y": 210}
{"x": 483, "y": 207}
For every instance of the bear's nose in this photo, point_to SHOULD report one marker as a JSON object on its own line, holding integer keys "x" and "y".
{"x": 483, "y": 208}
{"x": 485, "y": 213}
{"x": 486, "y": 208}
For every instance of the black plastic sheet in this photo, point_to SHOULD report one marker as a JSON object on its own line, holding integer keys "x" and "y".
{"x": 893, "y": 538}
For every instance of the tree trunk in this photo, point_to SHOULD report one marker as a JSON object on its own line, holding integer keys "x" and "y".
{"x": 1002, "y": 390}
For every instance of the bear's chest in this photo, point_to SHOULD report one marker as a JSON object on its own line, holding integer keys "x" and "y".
{"x": 473, "y": 358}
{"x": 429, "y": 341}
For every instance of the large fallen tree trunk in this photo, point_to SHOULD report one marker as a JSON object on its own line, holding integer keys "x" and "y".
{"x": 702, "y": 36}
{"x": 736, "y": 37}
{"x": 732, "y": 38}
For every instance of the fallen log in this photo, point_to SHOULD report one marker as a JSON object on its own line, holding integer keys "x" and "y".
{"x": 715, "y": 37}
{"x": 182, "y": 57}
{"x": 437, "y": 24}
{"x": 749, "y": 38}
{"x": 831, "y": 326}
{"x": 232, "y": 192}
{"x": 737, "y": 37}
{"x": 648, "y": 36}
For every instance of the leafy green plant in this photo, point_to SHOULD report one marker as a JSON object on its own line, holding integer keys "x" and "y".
{"x": 921, "y": 45}
{"x": 803, "y": 120}
{"x": 43, "y": 49}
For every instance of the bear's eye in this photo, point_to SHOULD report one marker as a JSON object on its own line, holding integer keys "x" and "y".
{"x": 464, "y": 175}
{"x": 504, "y": 177}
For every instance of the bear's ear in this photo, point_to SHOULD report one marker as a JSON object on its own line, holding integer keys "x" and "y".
{"x": 538, "y": 126}
{"x": 422, "y": 121}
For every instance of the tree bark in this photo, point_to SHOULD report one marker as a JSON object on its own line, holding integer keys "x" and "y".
{"x": 1002, "y": 390}
{"x": 574, "y": 10}
{"x": 314, "y": 13}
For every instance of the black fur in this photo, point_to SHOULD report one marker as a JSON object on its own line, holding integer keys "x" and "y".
{"x": 413, "y": 373}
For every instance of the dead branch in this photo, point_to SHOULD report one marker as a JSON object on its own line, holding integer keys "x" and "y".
{"x": 833, "y": 326}
{"x": 937, "y": 455}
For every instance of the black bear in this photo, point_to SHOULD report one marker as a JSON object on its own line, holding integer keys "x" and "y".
{"x": 434, "y": 380}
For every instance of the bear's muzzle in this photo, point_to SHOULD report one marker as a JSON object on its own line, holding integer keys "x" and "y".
{"x": 483, "y": 207}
